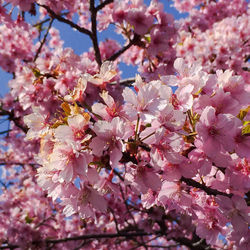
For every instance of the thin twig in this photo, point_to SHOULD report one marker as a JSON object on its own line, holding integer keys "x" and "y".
{"x": 48, "y": 19}
{"x": 44, "y": 40}
{"x": 115, "y": 220}
{"x": 126, "y": 205}
{"x": 125, "y": 82}
{"x": 118, "y": 174}
{"x": 191, "y": 244}
{"x": 121, "y": 51}
{"x": 3, "y": 184}
{"x": 103, "y": 4}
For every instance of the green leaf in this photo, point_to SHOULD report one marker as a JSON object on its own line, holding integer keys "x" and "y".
{"x": 243, "y": 113}
{"x": 246, "y": 129}
{"x": 147, "y": 38}
{"x": 36, "y": 72}
{"x": 28, "y": 220}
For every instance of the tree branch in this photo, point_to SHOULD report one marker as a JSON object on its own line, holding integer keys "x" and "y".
{"x": 18, "y": 163}
{"x": 103, "y": 4}
{"x": 125, "y": 82}
{"x": 93, "y": 36}
{"x": 47, "y": 20}
{"x": 193, "y": 245}
{"x": 100, "y": 236}
{"x": 208, "y": 190}
{"x": 16, "y": 120}
{"x": 44, "y": 40}
{"x": 9, "y": 247}
{"x": 121, "y": 51}
{"x": 64, "y": 20}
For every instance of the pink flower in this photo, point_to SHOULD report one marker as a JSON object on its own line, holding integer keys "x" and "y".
{"x": 147, "y": 103}
{"x": 120, "y": 11}
{"x": 221, "y": 101}
{"x": 172, "y": 196}
{"x": 158, "y": 41}
{"x": 143, "y": 178}
{"x": 37, "y": 122}
{"x": 166, "y": 148}
{"x": 149, "y": 199}
{"x": 235, "y": 85}
{"x": 108, "y": 111}
{"x": 140, "y": 20}
{"x": 78, "y": 92}
{"x": 107, "y": 72}
{"x": 186, "y": 76}
{"x": 215, "y": 131}
{"x": 242, "y": 144}
{"x": 236, "y": 210}
{"x": 74, "y": 132}
{"x": 109, "y": 137}
{"x": 84, "y": 201}
{"x": 67, "y": 163}
{"x": 171, "y": 119}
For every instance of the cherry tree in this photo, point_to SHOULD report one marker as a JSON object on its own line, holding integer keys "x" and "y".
{"x": 91, "y": 160}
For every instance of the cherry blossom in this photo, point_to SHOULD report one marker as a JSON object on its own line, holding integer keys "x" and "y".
{"x": 91, "y": 160}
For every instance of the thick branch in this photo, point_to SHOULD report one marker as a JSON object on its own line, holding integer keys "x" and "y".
{"x": 208, "y": 190}
{"x": 9, "y": 247}
{"x": 86, "y": 237}
{"x": 64, "y": 20}
{"x": 100, "y": 236}
{"x": 94, "y": 38}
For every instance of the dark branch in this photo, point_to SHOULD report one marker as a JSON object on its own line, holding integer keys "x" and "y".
{"x": 93, "y": 36}
{"x": 64, "y": 20}
{"x": 3, "y": 184}
{"x": 16, "y": 120}
{"x": 121, "y": 51}
{"x": 125, "y": 82}
{"x": 9, "y": 247}
{"x": 193, "y": 245}
{"x": 103, "y": 4}
{"x": 85, "y": 237}
{"x": 208, "y": 190}
{"x": 18, "y": 163}
{"x": 118, "y": 174}
{"x": 47, "y": 20}
{"x": 44, "y": 40}
{"x": 100, "y": 236}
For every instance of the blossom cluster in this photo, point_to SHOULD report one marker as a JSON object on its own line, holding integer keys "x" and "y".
{"x": 16, "y": 42}
{"x": 224, "y": 46}
{"x": 162, "y": 159}
{"x": 158, "y": 138}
